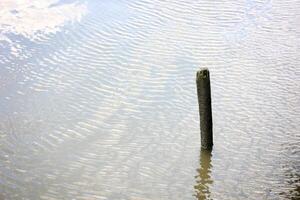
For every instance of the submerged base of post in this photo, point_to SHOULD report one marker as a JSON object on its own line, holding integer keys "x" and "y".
{"x": 204, "y": 100}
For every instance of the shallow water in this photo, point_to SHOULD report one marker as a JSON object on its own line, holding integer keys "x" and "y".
{"x": 98, "y": 99}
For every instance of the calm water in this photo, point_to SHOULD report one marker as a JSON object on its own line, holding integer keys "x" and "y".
{"x": 98, "y": 99}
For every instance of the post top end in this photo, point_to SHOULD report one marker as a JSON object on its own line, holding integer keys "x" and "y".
{"x": 203, "y": 73}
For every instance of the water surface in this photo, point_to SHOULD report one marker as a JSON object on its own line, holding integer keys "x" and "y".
{"x": 98, "y": 99}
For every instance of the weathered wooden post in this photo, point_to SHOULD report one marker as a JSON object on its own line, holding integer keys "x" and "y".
{"x": 204, "y": 100}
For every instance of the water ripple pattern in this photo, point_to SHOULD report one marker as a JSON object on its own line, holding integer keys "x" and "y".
{"x": 98, "y": 99}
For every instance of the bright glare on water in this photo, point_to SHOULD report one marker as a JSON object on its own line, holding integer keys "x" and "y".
{"x": 98, "y": 99}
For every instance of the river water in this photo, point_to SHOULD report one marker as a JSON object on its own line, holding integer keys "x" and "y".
{"x": 98, "y": 99}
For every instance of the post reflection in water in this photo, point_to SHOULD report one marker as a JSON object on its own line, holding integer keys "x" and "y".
{"x": 203, "y": 178}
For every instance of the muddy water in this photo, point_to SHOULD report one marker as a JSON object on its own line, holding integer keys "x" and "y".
{"x": 98, "y": 99}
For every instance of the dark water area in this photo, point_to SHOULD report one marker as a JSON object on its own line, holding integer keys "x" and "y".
{"x": 98, "y": 99}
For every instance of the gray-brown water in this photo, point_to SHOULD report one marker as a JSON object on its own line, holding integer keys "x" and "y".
{"x": 98, "y": 99}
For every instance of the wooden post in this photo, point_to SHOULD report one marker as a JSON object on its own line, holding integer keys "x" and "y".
{"x": 204, "y": 100}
